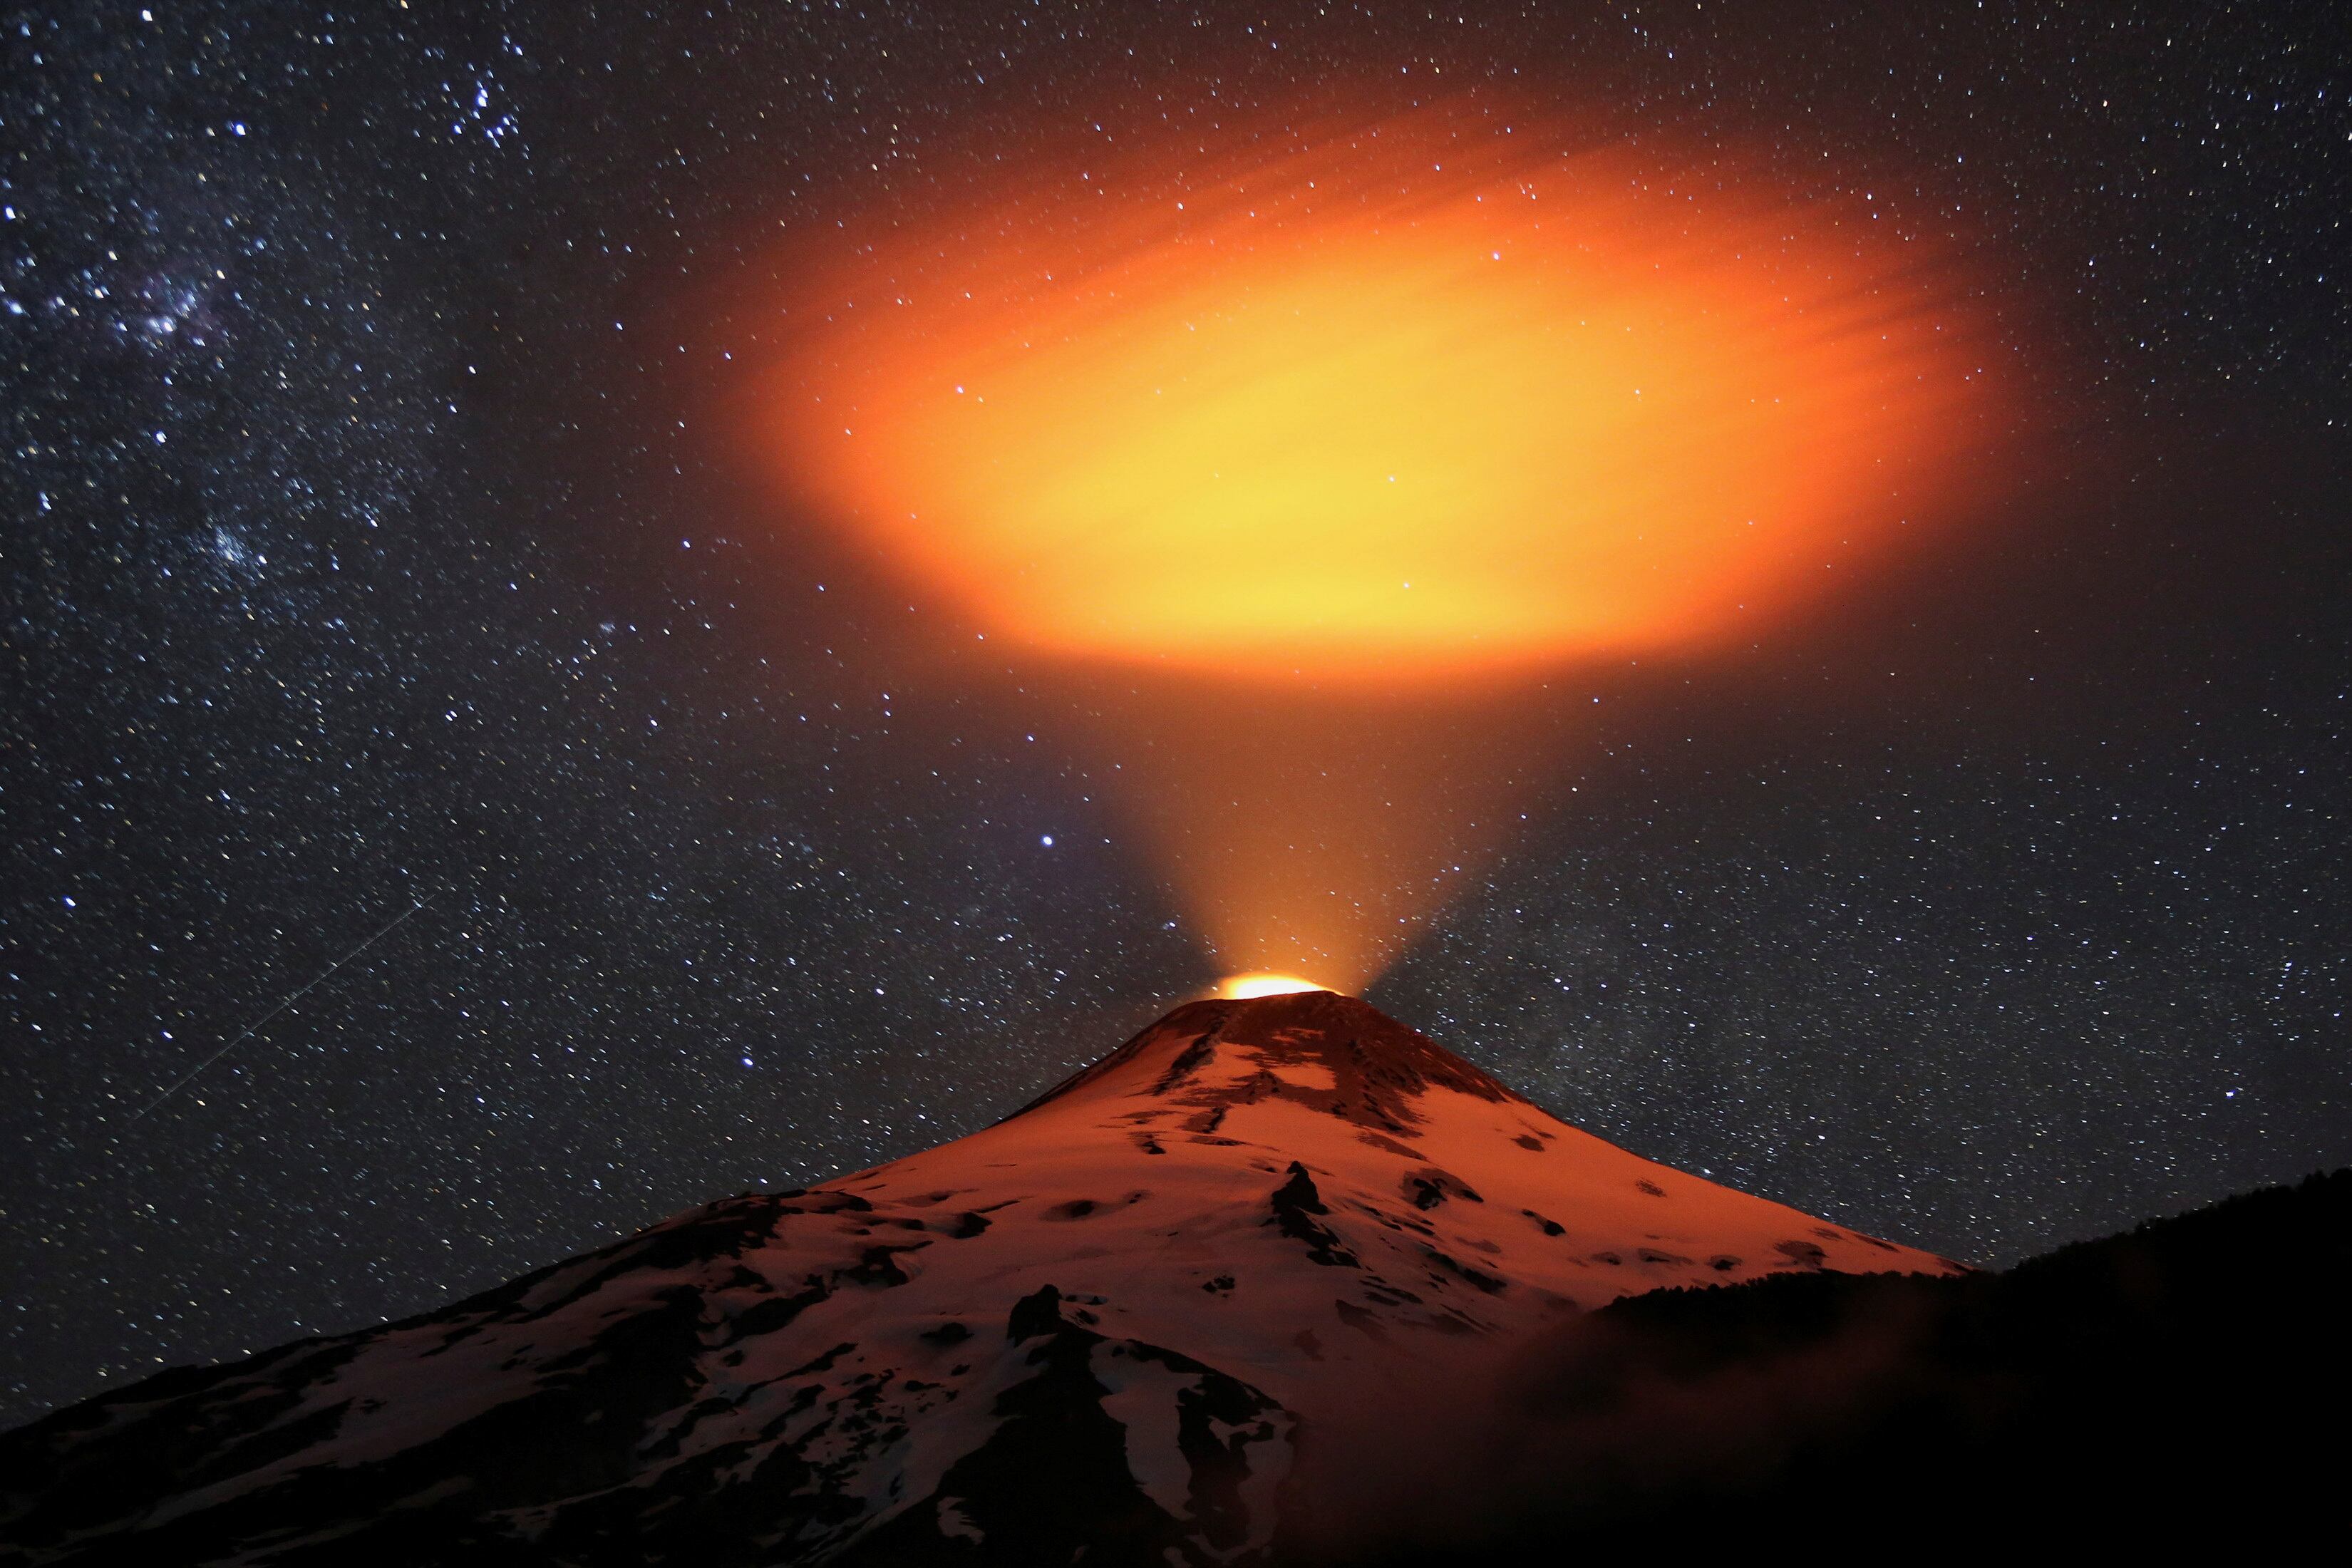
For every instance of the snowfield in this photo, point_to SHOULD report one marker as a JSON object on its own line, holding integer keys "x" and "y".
{"x": 1105, "y": 1321}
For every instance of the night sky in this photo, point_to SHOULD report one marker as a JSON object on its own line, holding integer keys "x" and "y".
{"x": 372, "y": 538}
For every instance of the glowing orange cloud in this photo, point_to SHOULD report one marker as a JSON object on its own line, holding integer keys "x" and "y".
{"x": 1348, "y": 428}
{"x": 1422, "y": 398}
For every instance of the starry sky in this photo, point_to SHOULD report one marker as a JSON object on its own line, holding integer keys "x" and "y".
{"x": 369, "y": 541}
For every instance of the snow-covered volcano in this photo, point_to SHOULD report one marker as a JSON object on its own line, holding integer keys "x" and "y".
{"x": 1107, "y": 1323}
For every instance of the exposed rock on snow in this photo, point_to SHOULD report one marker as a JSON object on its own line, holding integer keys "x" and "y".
{"x": 1104, "y": 1321}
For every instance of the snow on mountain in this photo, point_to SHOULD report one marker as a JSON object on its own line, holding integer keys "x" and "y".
{"x": 1106, "y": 1322}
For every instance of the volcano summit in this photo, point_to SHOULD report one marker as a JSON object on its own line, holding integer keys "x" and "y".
{"x": 1106, "y": 1325}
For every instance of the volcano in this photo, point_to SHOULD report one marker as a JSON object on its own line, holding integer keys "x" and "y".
{"x": 1106, "y": 1325}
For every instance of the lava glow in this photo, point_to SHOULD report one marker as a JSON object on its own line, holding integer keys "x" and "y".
{"x": 1421, "y": 398}
{"x": 1239, "y": 987}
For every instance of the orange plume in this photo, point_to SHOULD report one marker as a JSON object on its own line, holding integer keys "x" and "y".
{"x": 1414, "y": 404}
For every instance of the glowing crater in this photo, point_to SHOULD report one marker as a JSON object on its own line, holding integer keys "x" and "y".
{"x": 1265, "y": 983}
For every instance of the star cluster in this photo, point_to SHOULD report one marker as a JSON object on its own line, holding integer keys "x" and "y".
{"x": 374, "y": 541}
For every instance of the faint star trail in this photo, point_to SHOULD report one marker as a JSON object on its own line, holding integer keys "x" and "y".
{"x": 241, "y": 1034}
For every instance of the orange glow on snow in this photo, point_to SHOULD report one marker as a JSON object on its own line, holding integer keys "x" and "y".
{"x": 1239, "y": 987}
{"x": 1419, "y": 399}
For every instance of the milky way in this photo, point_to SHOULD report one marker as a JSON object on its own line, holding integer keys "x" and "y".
{"x": 371, "y": 539}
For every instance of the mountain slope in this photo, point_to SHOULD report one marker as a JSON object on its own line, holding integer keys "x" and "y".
{"x": 1105, "y": 1323}
{"x": 2182, "y": 1385}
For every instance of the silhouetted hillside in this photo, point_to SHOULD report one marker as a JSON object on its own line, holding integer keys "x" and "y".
{"x": 2189, "y": 1378}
